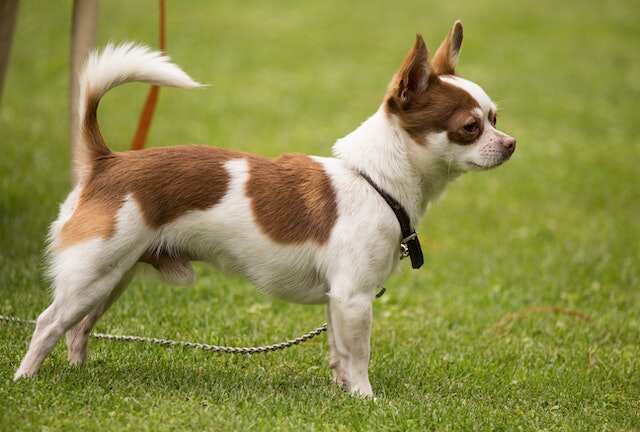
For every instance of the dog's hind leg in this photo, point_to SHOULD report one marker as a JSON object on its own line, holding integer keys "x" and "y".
{"x": 71, "y": 302}
{"x": 78, "y": 336}
{"x": 84, "y": 277}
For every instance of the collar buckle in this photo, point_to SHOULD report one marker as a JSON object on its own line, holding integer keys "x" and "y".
{"x": 404, "y": 249}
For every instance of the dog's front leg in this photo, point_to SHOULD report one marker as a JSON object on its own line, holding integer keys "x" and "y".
{"x": 350, "y": 330}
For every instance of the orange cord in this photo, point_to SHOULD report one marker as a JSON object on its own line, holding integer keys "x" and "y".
{"x": 144, "y": 123}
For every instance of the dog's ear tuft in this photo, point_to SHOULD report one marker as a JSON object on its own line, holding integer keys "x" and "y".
{"x": 413, "y": 76}
{"x": 446, "y": 58}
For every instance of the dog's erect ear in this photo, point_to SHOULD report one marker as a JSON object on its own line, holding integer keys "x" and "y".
{"x": 446, "y": 58}
{"x": 413, "y": 77}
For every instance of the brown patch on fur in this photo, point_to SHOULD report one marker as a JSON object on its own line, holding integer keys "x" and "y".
{"x": 91, "y": 219}
{"x": 165, "y": 183}
{"x": 90, "y": 144}
{"x": 292, "y": 199}
{"x": 95, "y": 142}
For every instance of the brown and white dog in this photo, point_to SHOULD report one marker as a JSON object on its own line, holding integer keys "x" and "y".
{"x": 303, "y": 228}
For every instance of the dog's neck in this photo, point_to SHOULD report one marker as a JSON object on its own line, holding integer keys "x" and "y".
{"x": 381, "y": 149}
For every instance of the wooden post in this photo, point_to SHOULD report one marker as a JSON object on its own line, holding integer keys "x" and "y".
{"x": 83, "y": 39}
{"x": 8, "y": 14}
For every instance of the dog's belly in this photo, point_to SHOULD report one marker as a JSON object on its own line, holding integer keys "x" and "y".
{"x": 275, "y": 274}
{"x": 288, "y": 272}
{"x": 294, "y": 286}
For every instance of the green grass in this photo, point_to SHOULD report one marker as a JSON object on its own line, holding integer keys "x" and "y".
{"x": 557, "y": 226}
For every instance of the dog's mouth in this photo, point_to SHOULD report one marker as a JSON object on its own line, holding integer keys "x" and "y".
{"x": 478, "y": 167}
{"x": 485, "y": 167}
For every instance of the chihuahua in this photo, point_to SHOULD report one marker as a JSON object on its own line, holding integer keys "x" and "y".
{"x": 303, "y": 228}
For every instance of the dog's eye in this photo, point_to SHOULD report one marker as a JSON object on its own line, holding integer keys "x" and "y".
{"x": 494, "y": 119}
{"x": 471, "y": 127}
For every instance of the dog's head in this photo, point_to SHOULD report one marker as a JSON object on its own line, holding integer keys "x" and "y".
{"x": 452, "y": 121}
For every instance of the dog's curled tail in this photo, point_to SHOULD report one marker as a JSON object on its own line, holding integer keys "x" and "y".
{"x": 115, "y": 65}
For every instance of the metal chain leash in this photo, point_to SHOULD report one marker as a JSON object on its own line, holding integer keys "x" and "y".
{"x": 192, "y": 345}
{"x": 196, "y": 345}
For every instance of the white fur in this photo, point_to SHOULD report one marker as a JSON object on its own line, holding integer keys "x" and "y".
{"x": 118, "y": 64}
{"x": 345, "y": 272}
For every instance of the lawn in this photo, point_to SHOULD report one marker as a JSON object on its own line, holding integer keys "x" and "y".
{"x": 456, "y": 345}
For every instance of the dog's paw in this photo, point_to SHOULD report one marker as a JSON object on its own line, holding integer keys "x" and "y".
{"x": 364, "y": 391}
{"x": 357, "y": 389}
{"x": 77, "y": 357}
{"x": 22, "y": 374}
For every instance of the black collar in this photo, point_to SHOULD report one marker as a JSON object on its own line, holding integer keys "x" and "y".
{"x": 409, "y": 245}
